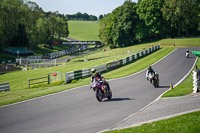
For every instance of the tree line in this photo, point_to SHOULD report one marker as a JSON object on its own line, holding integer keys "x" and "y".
{"x": 81, "y": 16}
{"x": 24, "y": 24}
{"x": 149, "y": 20}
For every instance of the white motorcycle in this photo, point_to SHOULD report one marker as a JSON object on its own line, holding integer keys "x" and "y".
{"x": 187, "y": 54}
{"x": 153, "y": 78}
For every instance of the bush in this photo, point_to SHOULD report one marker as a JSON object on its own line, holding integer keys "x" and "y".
{"x": 60, "y": 82}
{"x": 74, "y": 81}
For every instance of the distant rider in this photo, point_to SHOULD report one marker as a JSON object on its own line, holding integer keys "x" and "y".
{"x": 96, "y": 75}
{"x": 187, "y": 53}
{"x": 150, "y": 70}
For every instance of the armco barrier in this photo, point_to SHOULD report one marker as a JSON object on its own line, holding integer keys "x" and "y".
{"x": 4, "y": 86}
{"x": 86, "y": 72}
{"x": 32, "y": 61}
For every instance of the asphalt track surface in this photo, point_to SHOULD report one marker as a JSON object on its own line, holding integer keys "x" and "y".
{"x": 77, "y": 110}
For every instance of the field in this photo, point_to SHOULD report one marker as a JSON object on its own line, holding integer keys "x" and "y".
{"x": 84, "y": 30}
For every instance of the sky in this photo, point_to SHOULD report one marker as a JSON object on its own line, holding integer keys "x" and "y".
{"x": 91, "y": 7}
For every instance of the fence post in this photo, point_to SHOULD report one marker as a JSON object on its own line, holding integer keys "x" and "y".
{"x": 48, "y": 78}
{"x": 8, "y": 86}
{"x": 28, "y": 82}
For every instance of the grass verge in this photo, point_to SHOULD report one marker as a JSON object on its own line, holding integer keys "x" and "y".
{"x": 188, "y": 123}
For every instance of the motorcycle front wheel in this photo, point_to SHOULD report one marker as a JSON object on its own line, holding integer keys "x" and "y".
{"x": 99, "y": 95}
{"x": 154, "y": 83}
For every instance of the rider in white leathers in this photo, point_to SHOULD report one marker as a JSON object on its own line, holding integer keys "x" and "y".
{"x": 150, "y": 70}
{"x": 187, "y": 53}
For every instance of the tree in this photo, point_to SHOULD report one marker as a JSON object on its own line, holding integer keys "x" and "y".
{"x": 20, "y": 38}
{"x": 80, "y": 16}
{"x": 150, "y": 12}
{"x": 101, "y": 16}
{"x": 10, "y": 13}
{"x": 182, "y": 15}
{"x": 118, "y": 28}
{"x": 105, "y": 30}
{"x": 123, "y": 29}
{"x": 190, "y": 13}
{"x": 24, "y": 23}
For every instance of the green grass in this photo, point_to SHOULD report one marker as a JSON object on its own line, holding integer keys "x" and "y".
{"x": 19, "y": 80}
{"x": 84, "y": 30}
{"x": 119, "y": 52}
{"x": 184, "y": 88}
{"x": 188, "y": 123}
{"x": 139, "y": 64}
{"x": 185, "y": 42}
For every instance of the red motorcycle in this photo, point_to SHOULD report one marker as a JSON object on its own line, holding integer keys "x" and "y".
{"x": 101, "y": 90}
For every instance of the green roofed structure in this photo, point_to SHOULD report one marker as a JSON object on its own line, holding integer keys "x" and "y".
{"x": 197, "y": 53}
{"x": 17, "y": 50}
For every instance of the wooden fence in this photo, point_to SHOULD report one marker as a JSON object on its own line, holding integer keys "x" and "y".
{"x": 46, "y": 81}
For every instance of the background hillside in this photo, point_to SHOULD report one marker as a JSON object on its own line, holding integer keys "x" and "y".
{"x": 84, "y": 30}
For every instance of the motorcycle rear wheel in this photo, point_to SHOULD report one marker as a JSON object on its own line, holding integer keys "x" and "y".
{"x": 109, "y": 95}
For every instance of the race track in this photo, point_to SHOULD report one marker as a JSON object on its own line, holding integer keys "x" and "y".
{"x": 78, "y": 111}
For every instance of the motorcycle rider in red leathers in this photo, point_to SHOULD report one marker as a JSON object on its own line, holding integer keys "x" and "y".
{"x": 98, "y": 76}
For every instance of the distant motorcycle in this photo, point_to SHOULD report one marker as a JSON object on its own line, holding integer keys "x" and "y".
{"x": 101, "y": 90}
{"x": 153, "y": 78}
{"x": 187, "y": 54}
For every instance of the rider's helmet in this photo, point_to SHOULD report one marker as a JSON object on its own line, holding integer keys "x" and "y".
{"x": 149, "y": 68}
{"x": 93, "y": 70}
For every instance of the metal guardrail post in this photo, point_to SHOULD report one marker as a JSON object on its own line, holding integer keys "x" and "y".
{"x": 28, "y": 82}
{"x": 8, "y": 86}
{"x": 5, "y": 86}
{"x": 48, "y": 78}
